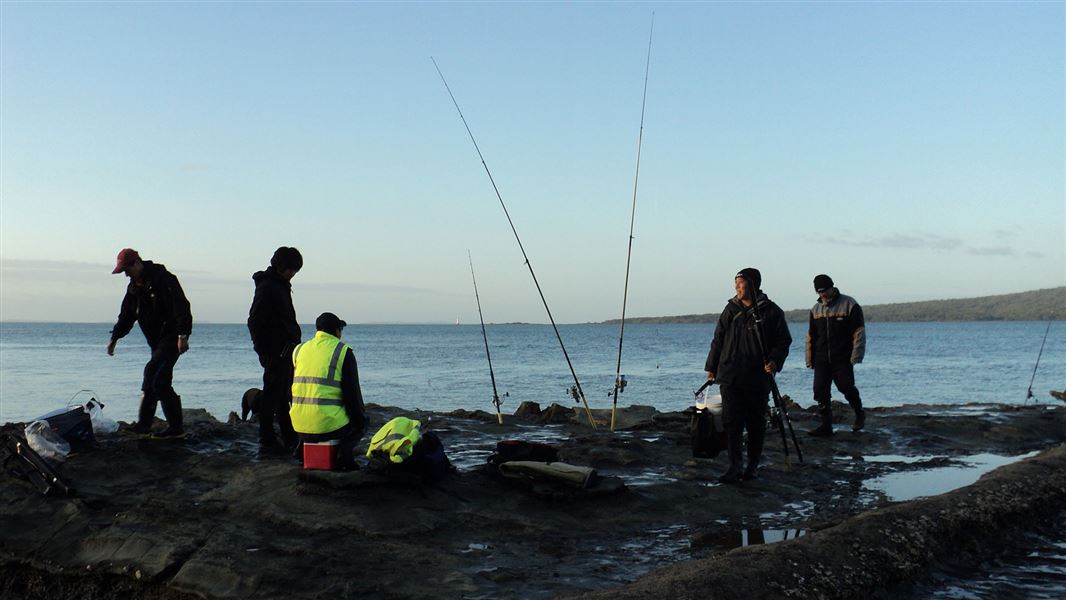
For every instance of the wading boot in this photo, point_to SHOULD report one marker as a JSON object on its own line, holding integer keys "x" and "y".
{"x": 145, "y": 415}
{"x": 860, "y": 420}
{"x": 826, "y": 428}
{"x": 755, "y": 442}
{"x": 171, "y": 404}
{"x": 732, "y": 475}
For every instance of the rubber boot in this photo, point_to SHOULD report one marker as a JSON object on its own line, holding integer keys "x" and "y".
{"x": 145, "y": 414}
{"x": 732, "y": 475}
{"x": 860, "y": 420}
{"x": 755, "y": 443}
{"x": 289, "y": 439}
{"x": 172, "y": 412}
{"x": 826, "y": 428}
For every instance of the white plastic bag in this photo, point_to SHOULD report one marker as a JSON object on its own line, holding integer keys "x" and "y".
{"x": 101, "y": 424}
{"x": 47, "y": 443}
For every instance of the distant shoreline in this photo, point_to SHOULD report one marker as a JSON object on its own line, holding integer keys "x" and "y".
{"x": 1037, "y": 305}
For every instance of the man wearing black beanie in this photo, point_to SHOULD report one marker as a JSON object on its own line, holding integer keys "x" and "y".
{"x": 836, "y": 342}
{"x": 735, "y": 361}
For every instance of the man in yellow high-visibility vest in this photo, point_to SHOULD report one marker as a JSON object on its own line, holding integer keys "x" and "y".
{"x": 327, "y": 403}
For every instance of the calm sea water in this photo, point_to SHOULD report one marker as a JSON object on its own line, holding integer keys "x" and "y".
{"x": 443, "y": 367}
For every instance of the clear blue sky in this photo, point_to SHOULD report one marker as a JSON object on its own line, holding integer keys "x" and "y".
{"x": 911, "y": 150}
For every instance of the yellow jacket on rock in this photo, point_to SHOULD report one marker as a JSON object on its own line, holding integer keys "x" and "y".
{"x": 317, "y": 396}
{"x": 396, "y": 439}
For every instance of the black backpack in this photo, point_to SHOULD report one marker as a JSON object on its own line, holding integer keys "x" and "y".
{"x": 427, "y": 461}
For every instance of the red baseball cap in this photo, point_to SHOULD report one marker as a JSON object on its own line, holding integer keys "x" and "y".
{"x": 125, "y": 258}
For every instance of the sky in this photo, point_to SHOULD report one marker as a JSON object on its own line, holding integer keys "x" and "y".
{"x": 911, "y": 150}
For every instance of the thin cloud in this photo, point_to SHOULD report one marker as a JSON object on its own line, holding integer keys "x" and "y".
{"x": 1006, "y": 234}
{"x": 51, "y": 269}
{"x": 991, "y": 251}
{"x": 22, "y": 264}
{"x": 901, "y": 241}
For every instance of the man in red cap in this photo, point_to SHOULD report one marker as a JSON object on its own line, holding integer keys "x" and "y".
{"x": 155, "y": 300}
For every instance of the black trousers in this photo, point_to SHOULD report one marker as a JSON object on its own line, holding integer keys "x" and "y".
{"x": 744, "y": 408}
{"x": 275, "y": 401}
{"x": 157, "y": 387}
{"x": 842, "y": 374}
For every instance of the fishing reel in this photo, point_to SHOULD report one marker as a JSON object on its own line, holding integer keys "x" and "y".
{"x": 574, "y": 393}
{"x": 498, "y": 400}
{"x": 619, "y": 384}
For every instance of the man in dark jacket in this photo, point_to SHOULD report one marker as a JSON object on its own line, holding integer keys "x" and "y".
{"x": 836, "y": 342}
{"x": 736, "y": 361}
{"x": 275, "y": 332}
{"x": 155, "y": 300}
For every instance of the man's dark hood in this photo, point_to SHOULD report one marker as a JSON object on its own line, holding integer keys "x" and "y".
{"x": 270, "y": 274}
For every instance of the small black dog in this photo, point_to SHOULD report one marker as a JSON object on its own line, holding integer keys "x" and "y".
{"x": 250, "y": 403}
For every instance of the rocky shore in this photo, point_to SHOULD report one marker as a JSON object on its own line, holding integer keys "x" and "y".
{"x": 205, "y": 518}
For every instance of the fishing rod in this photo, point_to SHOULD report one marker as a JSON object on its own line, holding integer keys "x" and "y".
{"x": 576, "y": 392}
{"x": 495, "y": 395}
{"x": 779, "y": 402}
{"x": 619, "y": 379}
{"x": 1029, "y": 394}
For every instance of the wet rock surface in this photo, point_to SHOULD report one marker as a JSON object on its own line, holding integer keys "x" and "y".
{"x": 206, "y": 518}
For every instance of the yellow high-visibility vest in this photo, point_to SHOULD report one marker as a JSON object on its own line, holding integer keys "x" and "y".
{"x": 396, "y": 439}
{"x": 317, "y": 399}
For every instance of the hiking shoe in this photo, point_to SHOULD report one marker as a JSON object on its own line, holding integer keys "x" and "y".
{"x": 730, "y": 476}
{"x": 750, "y": 472}
{"x": 169, "y": 433}
{"x": 823, "y": 430}
{"x": 140, "y": 429}
{"x": 860, "y": 420}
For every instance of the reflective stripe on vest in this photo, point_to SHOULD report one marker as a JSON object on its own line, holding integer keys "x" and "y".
{"x": 317, "y": 399}
{"x": 396, "y": 439}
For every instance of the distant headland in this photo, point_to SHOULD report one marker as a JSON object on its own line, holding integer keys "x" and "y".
{"x": 1037, "y": 305}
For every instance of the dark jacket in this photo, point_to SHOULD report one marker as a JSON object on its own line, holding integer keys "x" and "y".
{"x": 272, "y": 317}
{"x": 735, "y": 358}
{"x": 353, "y": 394}
{"x": 836, "y": 331}
{"x": 157, "y": 304}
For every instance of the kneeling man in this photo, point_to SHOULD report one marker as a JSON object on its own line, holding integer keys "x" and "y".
{"x": 327, "y": 403}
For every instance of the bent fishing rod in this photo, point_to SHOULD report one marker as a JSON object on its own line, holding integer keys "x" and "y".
{"x": 619, "y": 380}
{"x": 576, "y": 391}
{"x": 495, "y": 395}
{"x": 1029, "y": 394}
{"x": 782, "y": 410}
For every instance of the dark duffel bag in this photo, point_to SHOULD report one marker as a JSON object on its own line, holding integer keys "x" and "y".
{"x": 708, "y": 433}
{"x": 72, "y": 424}
{"x": 508, "y": 450}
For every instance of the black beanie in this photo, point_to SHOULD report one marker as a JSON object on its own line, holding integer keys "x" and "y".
{"x": 752, "y": 275}
{"x": 822, "y": 282}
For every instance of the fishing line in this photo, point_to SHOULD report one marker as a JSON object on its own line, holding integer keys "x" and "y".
{"x": 576, "y": 391}
{"x": 619, "y": 380}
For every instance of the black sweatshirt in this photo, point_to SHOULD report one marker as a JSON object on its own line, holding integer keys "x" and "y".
{"x": 157, "y": 303}
{"x": 272, "y": 317}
